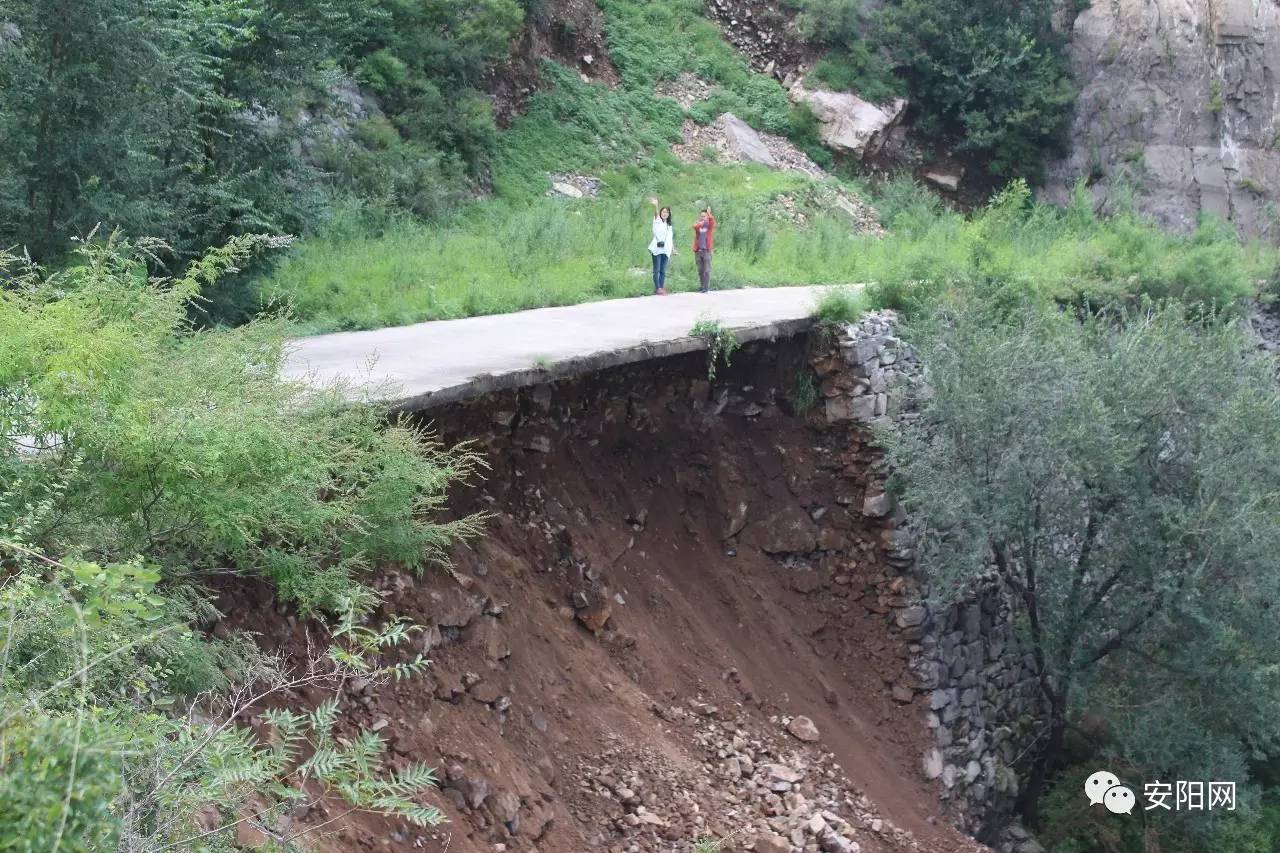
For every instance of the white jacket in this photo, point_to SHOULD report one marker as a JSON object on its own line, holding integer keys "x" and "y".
{"x": 662, "y": 233}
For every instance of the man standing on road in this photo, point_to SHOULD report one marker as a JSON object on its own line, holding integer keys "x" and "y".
{"x": 703, "y": 244}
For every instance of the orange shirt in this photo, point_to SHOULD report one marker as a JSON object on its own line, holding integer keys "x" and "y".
{"x": 710, "y": 228}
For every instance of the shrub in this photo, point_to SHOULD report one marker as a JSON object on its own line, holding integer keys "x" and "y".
{"x": 162, "y": 441}
{"x": 840, "y": 305}
{"x": 852, "y": 62}
{"x": 91, "y": 759}
{"x": 721, "y": 343}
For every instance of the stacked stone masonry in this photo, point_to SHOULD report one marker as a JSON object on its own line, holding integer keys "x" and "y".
{"x": 983, "y": 698}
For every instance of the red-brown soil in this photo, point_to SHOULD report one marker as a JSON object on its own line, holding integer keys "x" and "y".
{"x": 611, "y": 496}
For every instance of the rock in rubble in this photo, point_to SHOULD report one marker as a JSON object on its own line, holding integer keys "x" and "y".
{"x": 803, "y": 729}
{"x": 489, "y": 635}
{"x": 770, "y": 843}
{"x": 848, "y": 124}
{"x": 910, "y": 617}
{"x": 744, "y": 143}
{"x": 833, "y": 842}
{"x": 780, "y": 777}
{"x": 596, "y": 614}
{"x": 474, "y": 789}
{"x": 735, "y": 520}
{"x": 565, "y": 189}
{"x": 787, "y": 531}
{"x": 877, "y": 504}
{"x": 453, "y": 607}
{"x": 505, "y": 806}
{"x": 933, "y": 764}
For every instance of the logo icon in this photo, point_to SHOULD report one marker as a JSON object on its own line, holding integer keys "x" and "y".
{"x": 1096, "y": 786}
{"x": 1119, "y": 800}
{"x": 1103, "y": 787}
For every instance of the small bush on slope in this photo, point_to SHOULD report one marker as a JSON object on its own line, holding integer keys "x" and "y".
{"x": 653, "y": 42}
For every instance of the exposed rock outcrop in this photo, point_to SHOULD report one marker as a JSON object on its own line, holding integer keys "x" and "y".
{"x": 1179, "y": 97}
{"x": 848, "y": 124}
{"x": 744, "y": 143}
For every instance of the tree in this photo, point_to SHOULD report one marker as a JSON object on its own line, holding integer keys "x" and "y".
{"x": 1118, "y": 477}
{"x": 989, "y": 75}
{"x": 106, "y": 116}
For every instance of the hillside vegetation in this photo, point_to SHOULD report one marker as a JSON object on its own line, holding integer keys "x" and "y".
{"x": 157, "y": 152}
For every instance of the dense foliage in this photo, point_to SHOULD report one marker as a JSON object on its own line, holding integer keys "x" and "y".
{"x": 1117, "y": 478}
{"x": 192, "y": 121}
{"x": 140, "y": 461}
{"x": 989, "y": 76}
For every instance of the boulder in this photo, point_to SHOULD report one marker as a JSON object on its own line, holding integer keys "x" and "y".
{"x": 565, "y": 189}
{"x": 848, "y": 124}
{"x": 944, "y": 178}
{"x": 803, "y": 729}
{"x": 787, "y": 531}
{"x": 742, "y": 141}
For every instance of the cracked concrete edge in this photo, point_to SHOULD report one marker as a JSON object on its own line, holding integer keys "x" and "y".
{"x": 479, "y": 386}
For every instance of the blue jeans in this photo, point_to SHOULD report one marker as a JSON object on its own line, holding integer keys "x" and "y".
{"x": 660, "y": 262}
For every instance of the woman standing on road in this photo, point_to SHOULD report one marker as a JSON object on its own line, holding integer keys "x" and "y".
{"x": 662, "y": 246}
{"x": 704, "y": 243}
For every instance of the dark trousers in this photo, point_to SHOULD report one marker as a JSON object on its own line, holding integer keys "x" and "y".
{"x": 660, "y": 262}
{"x": 703, "y": 257}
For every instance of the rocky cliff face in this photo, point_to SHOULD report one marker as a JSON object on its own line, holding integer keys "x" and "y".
{"x": 1181, "y": 97}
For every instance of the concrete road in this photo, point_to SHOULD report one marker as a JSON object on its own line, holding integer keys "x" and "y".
{"x": 429, "y": 364}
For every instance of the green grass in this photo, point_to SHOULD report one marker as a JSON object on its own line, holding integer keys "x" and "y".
{"x": 572, "y": 125}
{"x": 841, "y": 305}
{"x": 506, "y": 256}
{"x": 503, "y": 256}
{"x": 650, "y": 42}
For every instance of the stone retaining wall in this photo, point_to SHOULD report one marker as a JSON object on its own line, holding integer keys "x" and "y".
{"x": 983, "y": 700}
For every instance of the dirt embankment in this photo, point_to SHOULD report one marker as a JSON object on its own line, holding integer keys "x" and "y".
{"x": 674, "y": 570}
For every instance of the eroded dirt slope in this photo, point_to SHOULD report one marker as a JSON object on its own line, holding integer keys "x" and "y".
{"x": 673, "y": 571}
